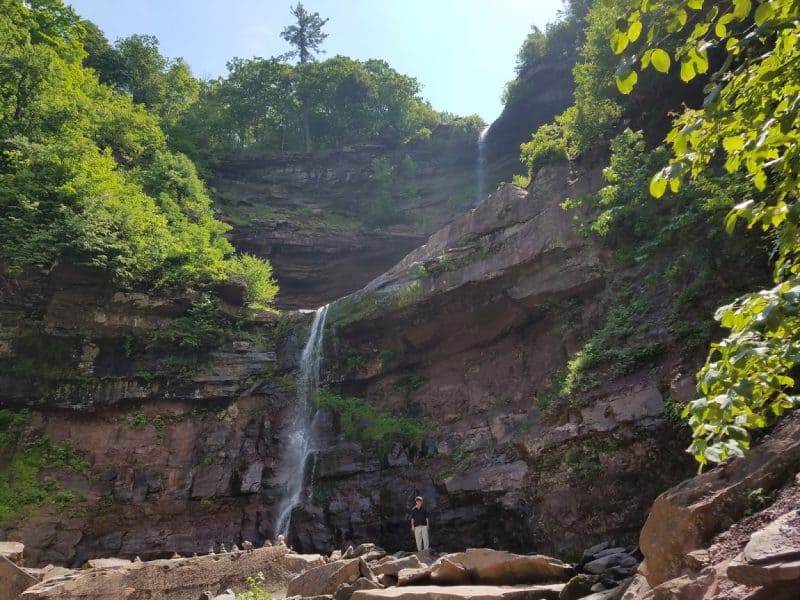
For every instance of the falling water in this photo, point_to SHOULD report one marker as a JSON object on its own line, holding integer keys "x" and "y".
{"x": 300, "y": 444}
{"x": 481, "y": 167}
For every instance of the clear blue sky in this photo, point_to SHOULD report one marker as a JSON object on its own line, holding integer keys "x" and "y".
{"x": 461, "y": 51}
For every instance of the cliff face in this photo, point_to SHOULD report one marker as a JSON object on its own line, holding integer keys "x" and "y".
{"x": 468, "y": 333}
{"x": 127, "y": 442}
{"x": 331, "y": 223}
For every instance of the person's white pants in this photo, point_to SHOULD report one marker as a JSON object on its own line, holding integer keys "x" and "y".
{"x": 421, "y": 535}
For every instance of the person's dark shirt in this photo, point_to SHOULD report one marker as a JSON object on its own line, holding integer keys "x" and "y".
{"x": 419, "y": 516}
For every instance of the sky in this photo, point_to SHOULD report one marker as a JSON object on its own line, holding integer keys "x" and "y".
{"x": 461, "y": 51}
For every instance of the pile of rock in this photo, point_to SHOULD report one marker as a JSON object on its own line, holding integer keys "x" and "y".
{"x": 369, "y": 573}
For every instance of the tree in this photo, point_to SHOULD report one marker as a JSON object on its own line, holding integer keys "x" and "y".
{"x": 306, "y": 36}
{"x": 750, "y": 122}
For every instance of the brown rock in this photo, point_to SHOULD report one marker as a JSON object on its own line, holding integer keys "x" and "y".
{"x": 393, "y": 567}
{"x": 104, "y": 563}
{"x": 413, "y": 576}
{"x": 462, "y": 592}
{"x": 362, "y": 583}
{"x": 504, "y": 568}
{"x": 183, "y": 579}
{"x": 445, "y": 572}
{"x": 12, "y": 551}
{"x": 13, "y": 580}
{"x": 683, "y": 518}
{"x": 324, "y": 579}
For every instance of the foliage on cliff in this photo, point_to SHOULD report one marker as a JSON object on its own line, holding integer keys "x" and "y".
{"x": 86, "y": 174}
{"x": 749, "y": 120}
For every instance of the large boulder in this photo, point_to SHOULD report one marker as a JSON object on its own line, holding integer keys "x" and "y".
{"x": 446, "y": 572}
{"x": 324, "y": 579}
{"x": 685, "y": 517}
{"x": 13, "y": 580}
{"x": 463, "y": 592}
{"x": 176, "y": 579}
{"x": 393, "y": 567}
{"x": 487, "y": 566}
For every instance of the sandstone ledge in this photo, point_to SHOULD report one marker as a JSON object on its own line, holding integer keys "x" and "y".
{"x": 463, "y": 592}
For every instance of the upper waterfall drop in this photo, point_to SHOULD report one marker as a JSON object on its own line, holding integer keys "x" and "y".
{"x": 301, "y": 443}
{"x": 480, "y": 169}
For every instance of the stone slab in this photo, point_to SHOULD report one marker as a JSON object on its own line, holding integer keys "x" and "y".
{"x": 463, "y": 592}
{"x": 13, "y": 580}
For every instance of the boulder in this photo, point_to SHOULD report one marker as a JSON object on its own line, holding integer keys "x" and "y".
{"x": 772, "y": 555}
{"x": 488, "y": 566}
{"x": 605, "y": 563}
{"x": 324, "y": 579}
{"x": 462, "y": 592}
{"x": 393, "y": 567}
{"x": 368, "y": 551}
{"x": 685, "y": 517}
{"x": 104, "y": 563}
{"x": 13, "y": 580}
{"x": 413, "y": 576}
{"x": 446, "y": 572}
{"x": 578, "y": 587}
{"x": 12, "y": 551}
{"x": 362, "y": 583}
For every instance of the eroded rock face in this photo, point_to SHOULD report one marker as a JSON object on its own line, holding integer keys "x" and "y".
{"x": 178, "y": 579}
{"x": 311, "y": 215}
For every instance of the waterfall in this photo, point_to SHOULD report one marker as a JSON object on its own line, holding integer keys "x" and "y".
{"x": 300, "y": 444}
{"x": 480, "y": 171}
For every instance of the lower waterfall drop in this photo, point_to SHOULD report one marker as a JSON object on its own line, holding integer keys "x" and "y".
{"x": 300, "y": 444}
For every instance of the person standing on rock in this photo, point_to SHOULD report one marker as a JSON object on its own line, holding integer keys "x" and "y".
{"x": 419, "y": 524}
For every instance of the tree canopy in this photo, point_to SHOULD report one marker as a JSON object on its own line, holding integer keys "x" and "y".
{"x": 750, "y": 123}
{"x": 86, "y": 174}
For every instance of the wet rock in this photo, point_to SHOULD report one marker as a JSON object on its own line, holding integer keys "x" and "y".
{"x": 607, "y": 562}
{"x": 324, "y": 579}
{"x": 578, "y": 587}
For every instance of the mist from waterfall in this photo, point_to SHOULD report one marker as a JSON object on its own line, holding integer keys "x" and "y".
{"x": 300, "y": 444}
{"x": 480, "y": 170}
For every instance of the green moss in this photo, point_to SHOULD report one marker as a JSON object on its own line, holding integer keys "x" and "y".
{"x": 360, "y": 420}
{"x": 355, "y": 308}
{"x": 409, "y": 294}
{"x": 22, "y": 485}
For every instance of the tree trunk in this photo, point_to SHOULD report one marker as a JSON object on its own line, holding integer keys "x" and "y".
{"x": 306, "y": 127}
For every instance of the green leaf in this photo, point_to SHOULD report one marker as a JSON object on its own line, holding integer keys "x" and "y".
{"x": 760, "y": 181}
{"x": 764, "y": 12}
{"x": 695, "y": 4}
{"x": 634, "y": 31}
{"x": 688, "y": 71}
{"x": 658, "y": 185}
{"x": 661, "y": 60}
{"x": 619, "y": 41}
{"x": 742, "y": 8}
{"x": 733, "y": 143}
{"x": 626, "y": 83}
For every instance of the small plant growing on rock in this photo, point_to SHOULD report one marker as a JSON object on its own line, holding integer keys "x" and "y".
{"x": 254, "y": 589}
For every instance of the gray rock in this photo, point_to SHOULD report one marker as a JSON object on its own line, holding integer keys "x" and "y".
{"x": 226, "y": 595}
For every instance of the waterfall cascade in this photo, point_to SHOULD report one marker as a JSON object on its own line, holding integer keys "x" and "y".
{"x": 301, "y": 444}
{"x": 480, "y": 169}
